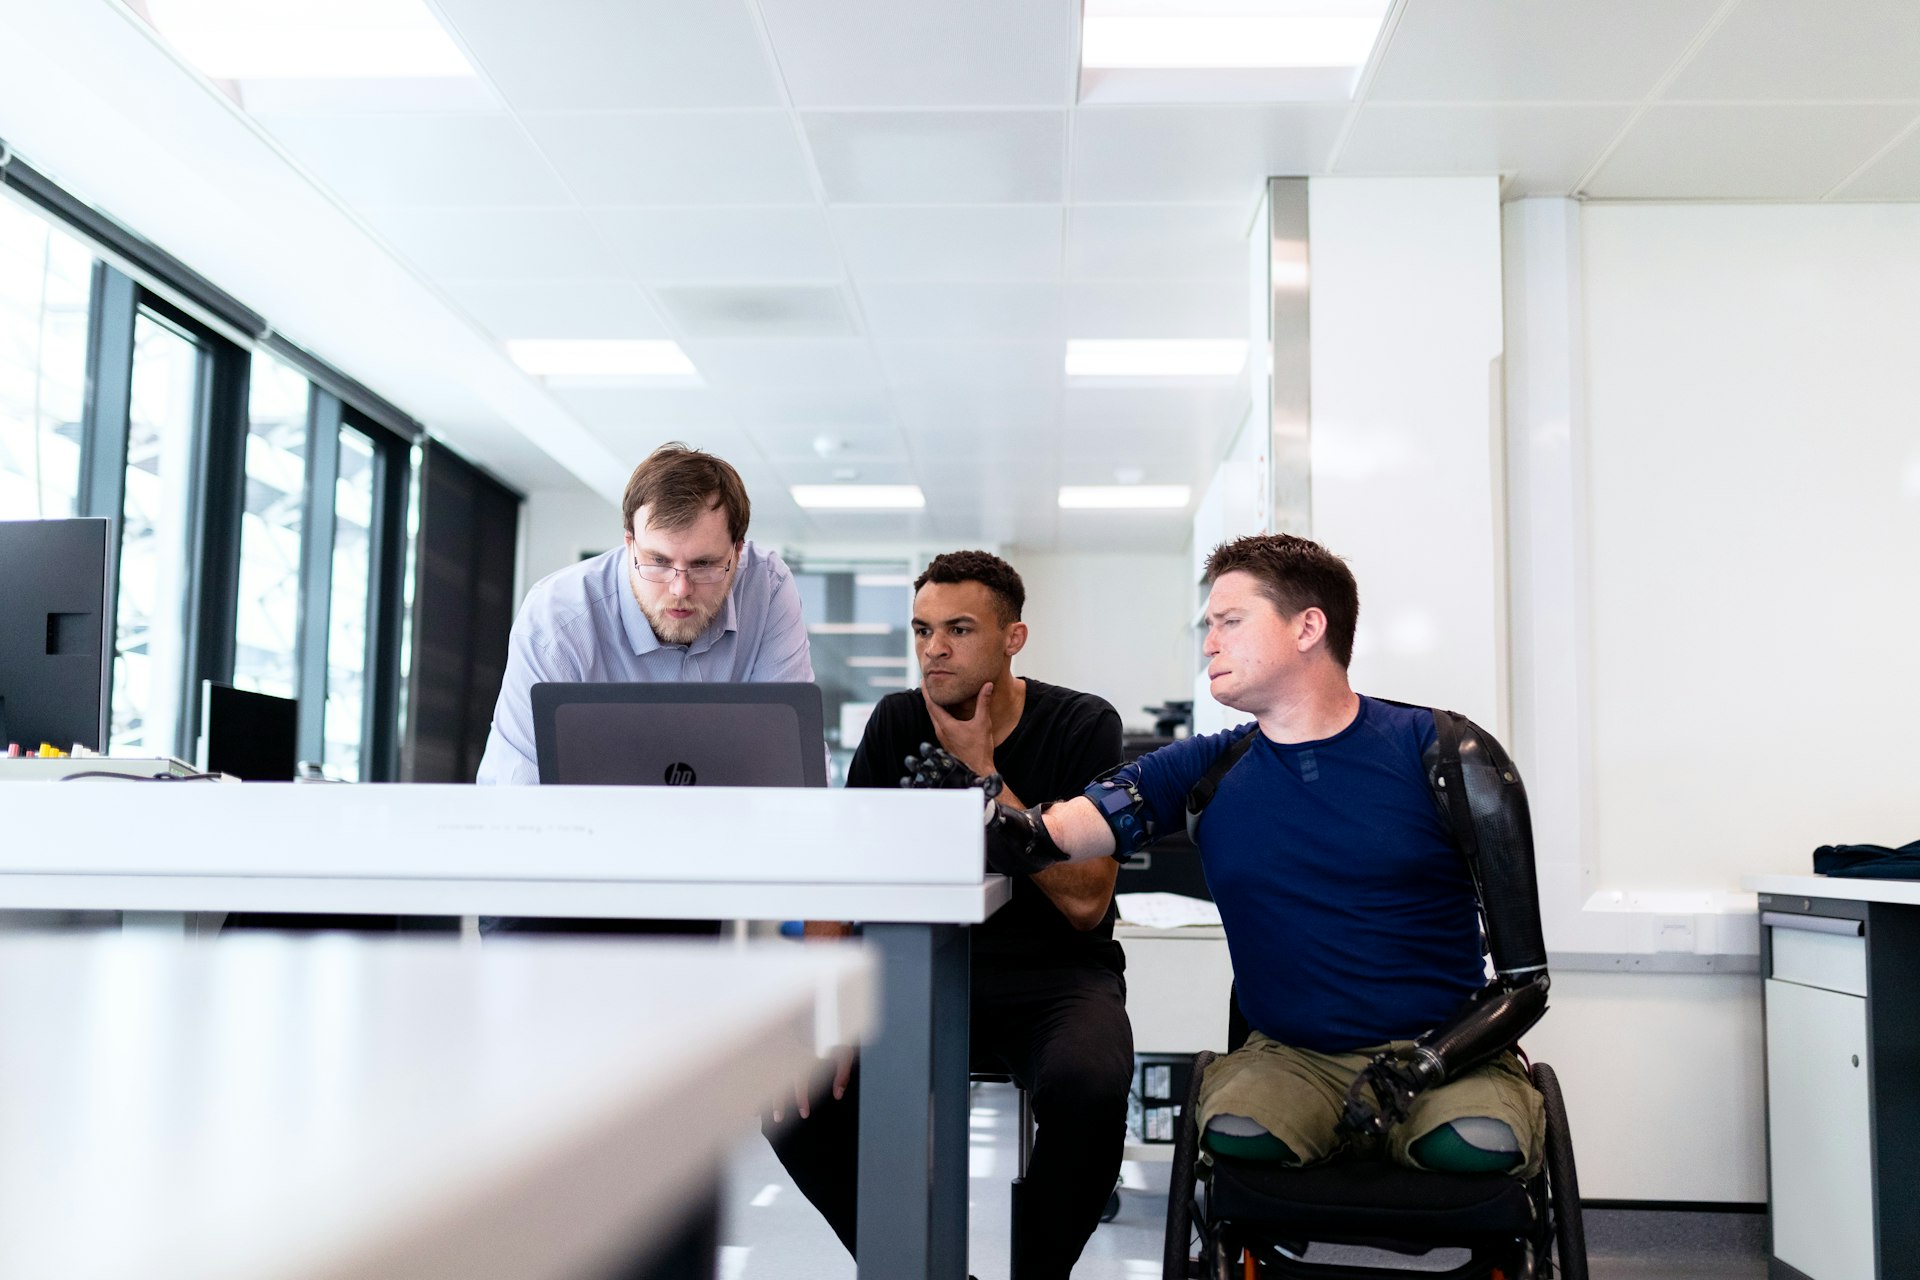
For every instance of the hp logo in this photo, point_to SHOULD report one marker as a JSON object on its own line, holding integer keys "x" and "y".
{"x": 680, "y": 775}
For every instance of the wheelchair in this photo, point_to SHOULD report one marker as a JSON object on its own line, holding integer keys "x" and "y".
{"x": 1251, "y": 1219}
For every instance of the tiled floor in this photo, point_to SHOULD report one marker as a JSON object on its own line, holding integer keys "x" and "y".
{"x": 770, "y": 1232}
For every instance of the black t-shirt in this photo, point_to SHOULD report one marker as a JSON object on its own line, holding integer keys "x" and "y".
{"x": 1064, "y": 741}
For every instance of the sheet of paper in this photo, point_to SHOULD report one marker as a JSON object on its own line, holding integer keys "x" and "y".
{"x": 1165, "y": 910}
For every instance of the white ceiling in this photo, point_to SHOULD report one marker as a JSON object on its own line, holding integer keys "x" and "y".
{"x": 879, "y": 221}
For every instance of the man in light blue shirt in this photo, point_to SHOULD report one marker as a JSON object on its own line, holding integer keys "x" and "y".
{"x": 685, "y": 598}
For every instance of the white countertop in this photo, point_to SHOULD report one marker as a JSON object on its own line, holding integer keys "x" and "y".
{"x": 1846, "y": 888}
{"x": 268, "y": 1108}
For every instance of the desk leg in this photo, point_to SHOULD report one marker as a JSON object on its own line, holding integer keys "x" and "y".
{"x": 913, "y": 1108}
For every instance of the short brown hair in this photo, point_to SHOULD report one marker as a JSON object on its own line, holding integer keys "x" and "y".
{"x": 677, "y": 485}
{"x": 1295, "y": 574}
{"x": 1000, "y": 579}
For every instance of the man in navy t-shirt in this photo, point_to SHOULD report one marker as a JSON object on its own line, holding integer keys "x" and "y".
{"x": 1350, "y": 911}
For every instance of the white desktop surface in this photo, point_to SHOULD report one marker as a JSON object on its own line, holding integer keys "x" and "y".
{"x": 617, "y": 852}
{"x": 1845, "y": 888}
{"x": 268, "y": 1108}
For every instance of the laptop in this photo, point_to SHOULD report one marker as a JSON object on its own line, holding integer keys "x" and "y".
{"x": 680, "y": 735}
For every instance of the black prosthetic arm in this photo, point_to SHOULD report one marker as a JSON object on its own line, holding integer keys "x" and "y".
{"x": 1483, "y": 802}
{"x": 1017, "y": 841}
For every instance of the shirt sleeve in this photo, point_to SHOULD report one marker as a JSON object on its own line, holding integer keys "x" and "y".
{"x": 1165, "y": 776}
{"x": 509, "y": 759}
{"x": 783, "y": 655}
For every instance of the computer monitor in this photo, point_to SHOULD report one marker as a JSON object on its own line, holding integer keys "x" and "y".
{"x": 707, "y": 735}
{"x": 253, "y": 736}
{"x": 56, "y": 650}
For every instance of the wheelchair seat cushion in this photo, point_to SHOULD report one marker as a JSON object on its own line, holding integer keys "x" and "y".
{"x": 1369, "y": 1200}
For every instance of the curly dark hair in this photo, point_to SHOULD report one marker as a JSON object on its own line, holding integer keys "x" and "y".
{"x": 985, "y": 568}
{"x": 1295, "y": 574}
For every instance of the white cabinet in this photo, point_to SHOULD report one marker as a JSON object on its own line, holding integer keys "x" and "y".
{"x": 1178, "y": 984}
{"x": 1820, "y": 1145}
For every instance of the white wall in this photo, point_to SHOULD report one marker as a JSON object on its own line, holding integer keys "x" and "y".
{"x": 560, "y": 525}
{"x": 1115, "y": 625}
{"x": 1405, "y": 317}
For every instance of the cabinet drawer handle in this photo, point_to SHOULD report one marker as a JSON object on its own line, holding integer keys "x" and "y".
{"x": 1813, "y": 924}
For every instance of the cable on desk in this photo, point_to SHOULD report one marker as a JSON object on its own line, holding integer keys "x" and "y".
{"x": 142, "y": 777}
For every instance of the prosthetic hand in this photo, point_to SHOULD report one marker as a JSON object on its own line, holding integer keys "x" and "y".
{"x": 1018, "y": 843}
{"x": 1394, "y": 1078}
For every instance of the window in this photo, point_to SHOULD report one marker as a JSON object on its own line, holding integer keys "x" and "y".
{"x": 267, "y": 622}
{"x": 44, "y": 277}
{"x": 353, "y": 507}
{"x": 149, "y": 663}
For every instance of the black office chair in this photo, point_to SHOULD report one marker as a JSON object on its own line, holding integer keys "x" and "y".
{"x": 1250, "y": 1218}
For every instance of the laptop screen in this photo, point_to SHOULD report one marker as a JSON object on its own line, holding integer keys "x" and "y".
{"x": 707, "y": 735}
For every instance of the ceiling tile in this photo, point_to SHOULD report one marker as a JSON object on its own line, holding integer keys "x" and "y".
{"x": 1808, "y": 49}
{"x": 600, "y": 306}
{"x": 729, "y": 243}
{"x": 954, "y": 242}
{"x": 1201, "y": 154}
{"x": 1159, "y": 308}
{"x": 1158, "y": 241}
{"x": 949, "y": 417}
{"x": 617, "y": 54}
{"x": 758, "y": 311}
{"x": 794, "y": 362}
{"x": 319, "y": 95}
{"x": 635, "y": 440}
{"x": 496, "y": 244}
{"x": 1003, "y": 309}
{"x": 923, "y": 53}
{"x": 809, "y": 412}
{"x": 1208, "y": 416}
{"x": 938, "y": 364}
{"x": 1547, "y": 147}
{"x": 421, "y": 159}
{"x": 925, "y": 157}
{"x": 1894, "y": 176}
{"x": 676, "y": 157}
{"x": 843, "y": 445}
{"x": 1522, "y": 50}
{"x": 1745, "y": 152}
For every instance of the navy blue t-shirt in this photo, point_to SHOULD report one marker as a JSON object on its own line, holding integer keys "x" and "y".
{"x": 1349, "y": 914}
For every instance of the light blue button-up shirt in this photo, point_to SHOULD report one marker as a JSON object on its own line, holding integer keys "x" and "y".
{"x": 583, "y": 623}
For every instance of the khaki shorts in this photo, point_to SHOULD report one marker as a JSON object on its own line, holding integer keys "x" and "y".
{"x": 1297, "y": 1095}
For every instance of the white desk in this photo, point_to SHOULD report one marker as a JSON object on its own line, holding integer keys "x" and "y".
{"x": 267, "y": 1108}
{"x": 907, "y": 863}
{"x": 1841, "y": 959}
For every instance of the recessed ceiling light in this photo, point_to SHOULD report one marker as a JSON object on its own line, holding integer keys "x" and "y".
{"x": 309, "y": 39}
{"x": 1156, "y": 358}
{"x": 1229, "y": 34}
{"x": 598, "y": 358}
{"x": 1124, "y": 497}
{"x": 859, "y": 497}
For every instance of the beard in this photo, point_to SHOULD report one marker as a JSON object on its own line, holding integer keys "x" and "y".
{"x": 670, "y": 630}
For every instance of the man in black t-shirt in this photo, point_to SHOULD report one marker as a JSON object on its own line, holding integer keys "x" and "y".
{"x": 1049, "y": 1001}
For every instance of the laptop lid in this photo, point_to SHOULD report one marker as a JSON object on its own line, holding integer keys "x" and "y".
{"x": 708, "y": 735}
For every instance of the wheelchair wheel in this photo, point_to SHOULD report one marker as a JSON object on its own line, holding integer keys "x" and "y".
{"x": 1178, "y": 1254}
{"x": 1563, "y": 1183}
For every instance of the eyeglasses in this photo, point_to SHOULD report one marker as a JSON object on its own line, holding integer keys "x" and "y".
{"x": 704, "y": 575}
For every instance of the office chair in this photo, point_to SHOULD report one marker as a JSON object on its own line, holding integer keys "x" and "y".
{"x": 1257, "y": 1220}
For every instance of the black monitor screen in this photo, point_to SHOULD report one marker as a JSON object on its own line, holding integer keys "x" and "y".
{"x": 55, "y": 654}
{"x": 253, "y": 736}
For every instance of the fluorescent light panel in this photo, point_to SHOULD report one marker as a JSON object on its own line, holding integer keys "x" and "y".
{"x": 1229, "y": 34}
{"x": 309, "y": 39}
{"x": 850, "y": 628}
{"x": 601, "y": 358}
{"x": 1155, "y": 358}
{"x": 876, "y": 662}
{"x": 859, "y": 497}
{"x": 1124, "y": 497}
